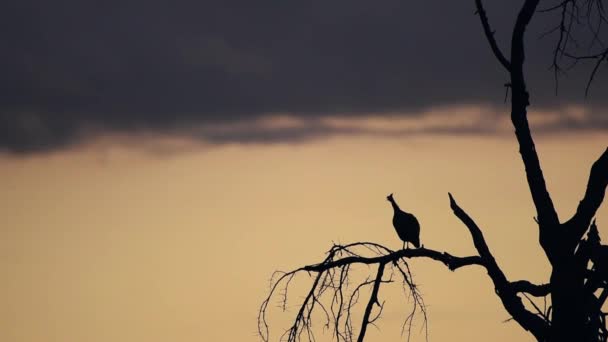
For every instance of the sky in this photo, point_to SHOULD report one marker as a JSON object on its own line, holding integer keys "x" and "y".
{"x": 160, "y": 160}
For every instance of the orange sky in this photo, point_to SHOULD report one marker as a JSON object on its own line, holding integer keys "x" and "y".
{"x": 112, "y": 243}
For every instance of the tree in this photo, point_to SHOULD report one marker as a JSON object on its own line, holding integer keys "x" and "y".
{"x": 578, "y": 286}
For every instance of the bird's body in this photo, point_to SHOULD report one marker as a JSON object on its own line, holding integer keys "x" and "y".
{"x": 405, "y": 224}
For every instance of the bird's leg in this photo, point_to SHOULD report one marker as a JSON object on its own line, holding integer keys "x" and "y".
{"x": 403, "y": 245}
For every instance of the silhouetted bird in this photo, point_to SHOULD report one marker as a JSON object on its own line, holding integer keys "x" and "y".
{"x": 405, "y": 224}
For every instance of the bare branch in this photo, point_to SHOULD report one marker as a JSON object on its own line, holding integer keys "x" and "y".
{"x": 300, "y": 323}
{"x": 262, "y": 323}
{"x": 561, "y": 44}
{"x": 352, "y": 301}
{"x": 418, "y": 301}
{"x": 512, "y": 303}
{"x": 553, "y": 8}
{"x": 594, "y": 195}
{"x": 547, "y": 216}
{"x": 476, "y": 234}
{"x": 452, "y": 262}
{"x": 338, "y": 299}
{"x": 487, "y": 30}
{"x": 517, "y": 40}
{"x": 528, "y": 287}
{"x": 574, "y": 17}
{"x": 603, "y": 57}
{"x": 373, "y": 299}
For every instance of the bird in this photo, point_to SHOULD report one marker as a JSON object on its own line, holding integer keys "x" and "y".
{"x": 405, "y": 224}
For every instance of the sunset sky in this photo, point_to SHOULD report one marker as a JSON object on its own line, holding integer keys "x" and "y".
{"x": 160, "y": 160}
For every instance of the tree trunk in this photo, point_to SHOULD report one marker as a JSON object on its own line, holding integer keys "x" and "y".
{"x": 569, "y": 312}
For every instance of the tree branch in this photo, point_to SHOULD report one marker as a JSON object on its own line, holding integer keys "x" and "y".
{"x": 600, "y": 59}
{"x": 533, "y": 289}
{"x": 301, "y": 318}
{"x": 487, "y": 30}
{"x": 571, "y": 20}
{"x": 373, "y": 299}
{"x": 452, "y": 262}
{"x": 476, "y": 234}
{"x": 547, "y": 216}
{"x": 512, "y": 303}
{"x": 594, "y": 195}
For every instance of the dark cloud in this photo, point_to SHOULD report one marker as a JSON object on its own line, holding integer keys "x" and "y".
{"x": 72, "y": 69}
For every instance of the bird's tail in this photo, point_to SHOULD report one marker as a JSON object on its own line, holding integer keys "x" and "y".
{"x": 416, "y": 242}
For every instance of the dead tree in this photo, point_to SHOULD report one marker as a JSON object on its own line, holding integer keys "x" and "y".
{"x": 578, "y": 286}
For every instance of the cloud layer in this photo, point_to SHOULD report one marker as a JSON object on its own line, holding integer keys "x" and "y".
{"x": 75, "y": 69}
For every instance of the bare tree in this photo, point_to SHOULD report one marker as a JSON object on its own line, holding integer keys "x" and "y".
{"x": 578, "y": 286}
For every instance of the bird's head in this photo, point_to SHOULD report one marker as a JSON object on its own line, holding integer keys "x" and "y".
{"x": 390, "y": 198}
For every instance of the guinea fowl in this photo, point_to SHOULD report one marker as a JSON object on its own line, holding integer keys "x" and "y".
{"x": 405, "y": 224}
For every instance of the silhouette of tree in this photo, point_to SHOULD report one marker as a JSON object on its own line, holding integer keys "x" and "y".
{"x": 578, "y": 286}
